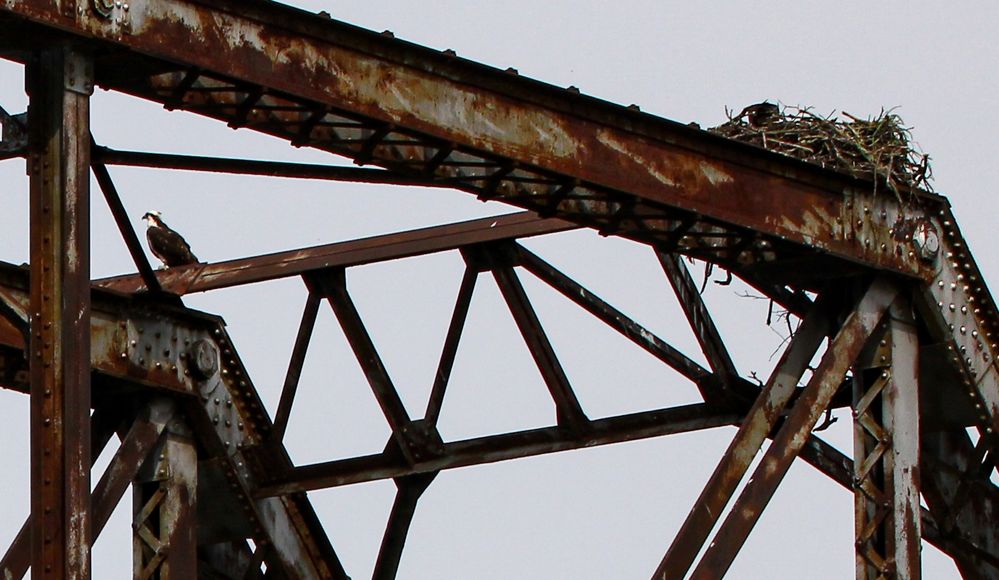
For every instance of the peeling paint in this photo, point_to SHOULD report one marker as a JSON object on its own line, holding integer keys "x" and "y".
{"x": 607, "y": 138}
{"x": 715, "y": 175}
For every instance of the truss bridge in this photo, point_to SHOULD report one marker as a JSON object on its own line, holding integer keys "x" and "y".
{"x": 894, "y": 319}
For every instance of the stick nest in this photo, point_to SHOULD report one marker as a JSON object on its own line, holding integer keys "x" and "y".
{"x": 878, "y": 148}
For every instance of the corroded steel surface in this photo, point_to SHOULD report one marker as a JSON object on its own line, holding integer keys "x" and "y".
{"x": 427, "y": 117}
{"x": 60, "y": 80}
{"x": 204, "y": 277}
{"x": 791, "y": 437}
{"x": 143, "y": 346}
{"x": 420, "y": 112}
{"x": 408, "y": 96}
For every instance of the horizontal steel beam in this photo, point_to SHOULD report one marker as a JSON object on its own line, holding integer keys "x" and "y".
{"x": 203, "y": 277}
{"x": 256, "y": 167}
{"x": 495, "y": 448}
{"x": 410, "y": 98}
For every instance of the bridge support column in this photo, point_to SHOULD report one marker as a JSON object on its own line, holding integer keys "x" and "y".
{"x": 886, "y": 454}
{"x": 164, "y": 510}
{"x": 60, "y": 82}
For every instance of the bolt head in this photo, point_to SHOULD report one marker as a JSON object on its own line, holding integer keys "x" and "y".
{"x": 204, "y": 358}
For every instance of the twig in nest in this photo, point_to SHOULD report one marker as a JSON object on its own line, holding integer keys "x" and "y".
{"x": 708, "y": 267}
{"x": 880, "y": 148}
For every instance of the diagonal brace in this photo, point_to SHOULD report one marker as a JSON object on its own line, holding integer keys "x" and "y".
{"x": 410, "y": 488}
{"x": 759, "y": 422}
{"x": 794, "y": 433}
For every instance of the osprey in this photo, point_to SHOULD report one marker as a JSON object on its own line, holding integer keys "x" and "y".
{"x": 166, "y": 244}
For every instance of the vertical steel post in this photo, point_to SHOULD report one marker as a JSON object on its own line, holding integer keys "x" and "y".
{"x": 60, "y": 82}
{"x": 886, "y": 455}
{"x": 165, "y": 500}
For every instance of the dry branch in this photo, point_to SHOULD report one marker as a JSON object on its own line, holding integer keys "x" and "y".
{"x": 880, "y": 147}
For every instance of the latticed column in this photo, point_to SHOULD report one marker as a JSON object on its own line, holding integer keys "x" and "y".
{"x": 163, "y": 521}
{"x": 886, "y": 453}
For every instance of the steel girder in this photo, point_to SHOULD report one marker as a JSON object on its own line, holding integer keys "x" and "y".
{"x": 684, "y": 191}
{"x": 597, "y": 164}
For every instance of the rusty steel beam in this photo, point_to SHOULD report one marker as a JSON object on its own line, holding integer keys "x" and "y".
{"x": 140, "y": 346}
{"x": 409, "y": 490}
{"x": 109, "y": 490}
{"x": 204, "y": 277}
{"x": 401, "y": 91}
{"x": 962, "y": 499}
{"x": 568, "y": 410}
{"x": 332, "y": 285}
{"x": 113, "y": 200}
{"x": 450, "y": 348}
{"x": 615, "y": 319}
{"x": 60, "y": 82}
{"x": 165, "y": 497}
{"x": 697, "y": 314}
{"x": 793, "y": 434}
{"x": 886, "y": 453}
{"x": 298, "y": 352}
{"x": 600, "y": 164}
{"x": 504, "y": 447}
{"x": 108, "y": 156}
{"x": 758, "y": 424}
{"x": 17, "y": 559}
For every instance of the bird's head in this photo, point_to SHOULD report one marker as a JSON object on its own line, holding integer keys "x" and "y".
{"x": 153, "y": 218}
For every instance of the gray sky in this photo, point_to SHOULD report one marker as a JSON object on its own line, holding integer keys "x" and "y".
{"x": 602, "y": 513}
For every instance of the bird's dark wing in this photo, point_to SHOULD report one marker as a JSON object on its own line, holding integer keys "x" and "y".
{"x": 170, "y": 247}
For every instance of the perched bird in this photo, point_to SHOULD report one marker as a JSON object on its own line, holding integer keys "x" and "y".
{"x": 761, "y": 114}
{"x": 166, "y": 244}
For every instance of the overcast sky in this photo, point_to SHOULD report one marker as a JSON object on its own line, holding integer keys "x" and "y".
{"x": 602, "y": 513}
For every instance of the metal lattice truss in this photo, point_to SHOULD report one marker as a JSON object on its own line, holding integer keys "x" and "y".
{"x": 886, "y": 291}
